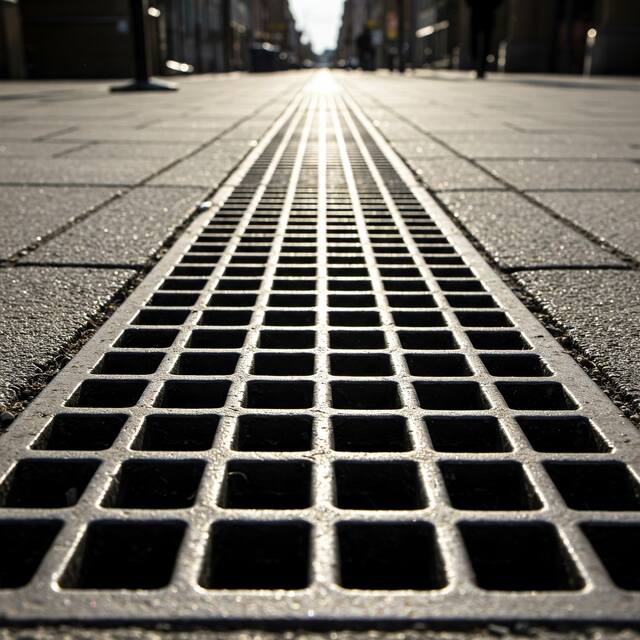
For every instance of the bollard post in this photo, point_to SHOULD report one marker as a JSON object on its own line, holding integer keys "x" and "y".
{"x": 142, "y": 81}
{"x": 401, "y": 37}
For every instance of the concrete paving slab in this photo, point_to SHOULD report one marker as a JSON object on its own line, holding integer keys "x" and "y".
{"x": 601, "y": 311}
{"x": 443, "y": 174}
{"x": 535, "y": 145}
{"x": 207, "y": 168}
{"x": 28, "y": 130}
{"x": 611, "y": 215}
{"x": 28, "y": 213}
{"x": 87, "y": 133}
{"x": 165, "y": 151}
{"x": 127, "y": 231}
{"x": 517, "y": 233}
{"x": 23, "y": 149}
{"x": 421, "y": 149}
{"x": 42, "y": 311}
{"x": 566, "y": 174}
{"x": 105, "y": 171}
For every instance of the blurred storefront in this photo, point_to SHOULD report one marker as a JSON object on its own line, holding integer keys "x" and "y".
{"x": 82, "y": 39}
{"x": 554, "y": 36}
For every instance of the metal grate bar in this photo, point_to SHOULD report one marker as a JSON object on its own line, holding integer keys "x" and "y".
{"x": 321, "y": 407}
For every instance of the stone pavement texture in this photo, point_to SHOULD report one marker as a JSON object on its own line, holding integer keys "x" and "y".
{"x": 92, "y": 185}
{"x": 544, "y": 175}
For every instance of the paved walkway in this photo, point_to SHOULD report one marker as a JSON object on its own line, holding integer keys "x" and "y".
{"x": 92, "y": 187}
{"x": 544, "y": 175}
{"x": 542, "y": 172}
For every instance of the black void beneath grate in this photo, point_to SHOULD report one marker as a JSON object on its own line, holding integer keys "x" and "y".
{"x": 321, "y": 407}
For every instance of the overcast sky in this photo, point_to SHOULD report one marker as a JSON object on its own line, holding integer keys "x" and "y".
{"x": 320, "y": 20}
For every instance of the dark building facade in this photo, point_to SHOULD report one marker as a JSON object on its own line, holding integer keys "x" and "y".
{"x": 92, "y": 39}
{"x": 550, "y": 36}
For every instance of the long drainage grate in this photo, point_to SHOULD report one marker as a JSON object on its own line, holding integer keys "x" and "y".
{"x": 321, "y": 407}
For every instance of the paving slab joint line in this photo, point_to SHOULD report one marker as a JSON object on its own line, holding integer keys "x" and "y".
{"x": 601, "y": 242}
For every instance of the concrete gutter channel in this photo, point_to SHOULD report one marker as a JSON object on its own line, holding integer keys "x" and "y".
{"x": 412, "y": 475}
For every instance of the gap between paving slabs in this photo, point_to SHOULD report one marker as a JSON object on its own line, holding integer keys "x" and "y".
{"x": 326, "y": 291}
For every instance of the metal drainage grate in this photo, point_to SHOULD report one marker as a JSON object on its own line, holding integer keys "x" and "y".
{"x": 321, "y": 406}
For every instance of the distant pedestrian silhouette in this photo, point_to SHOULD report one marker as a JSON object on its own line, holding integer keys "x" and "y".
{"x": 365, "y": 50}
{"x": 482, "y": 19}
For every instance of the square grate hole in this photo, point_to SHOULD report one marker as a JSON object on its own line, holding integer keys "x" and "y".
{"x": 498, "y": 340}
{"x": 129, "y": 363}
{"x": 216, "y": 339}
{"x": 464, "y": 396}
{"x": 193, "y": 394}
{"x": 107, "y": 393}
{"x": 484, "y": 319}
{"x": 46, "y": 483}
{"x": 427, "y": 340}
{"x": 411, "y": 301}
{"x": 378, "y": 485}
{"x": 232, "y": 300}
{"x": 253, "y": 484}
{"x": 290, "y": 318}
{"x": 23, "y": 545}
{"x": 365, "y": 395}
{"x": 292, "y": 300}
{"x": 80, "y": 432}
{"x": 563, "y": 434}
{"x": 283, "y": 364}
{"x": 440, "y": 365}
{"x": 354, "y": 319}
{"x": 419, "y": 319}
{"x": 125, "y": 555}
{"x": 146, "y": 338}
{"x": 377, "y": 364}
{"x": 287, "y": 339}
{"x": 370, "y": 433}
{"x": 274, "y": 433}
{"x": 519, "y": 365}
{"x": 389, "y": 556}
{"x": 489, "y": 486}
{"x": 467, "y": 435}
{"x": 155, "y": 484}
{"x": 357, "y": 340}
{"x": 541, "y": 396}
{"x": 226, "y": 318}
{"x": 206, "y": 364}
{"x": 173, "y": 299}
{"x": 165, "y": 432}
{"x": 596, "y": 486}
{"x": 515, "y": 556}
{"x": 267, "y": 394}
{"x": 161, "y": 316}
{"x": 257, "y": 555}
{"x": 617, "y": 544}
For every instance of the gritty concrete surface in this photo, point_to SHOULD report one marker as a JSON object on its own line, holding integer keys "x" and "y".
{"x": 125, "y": 232}
{"x": 43, "y": 209}
{"x": 570, "y": 144}
{"x": 519, "y": 235}
{"x": 600, "y": 310}
{"x": 566, "y": 174}
{"x": 43, "y": 309}
{"x": 613, "y": 216}
{"x": 92, "y": 181}
{"x": 443, "y": 174}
